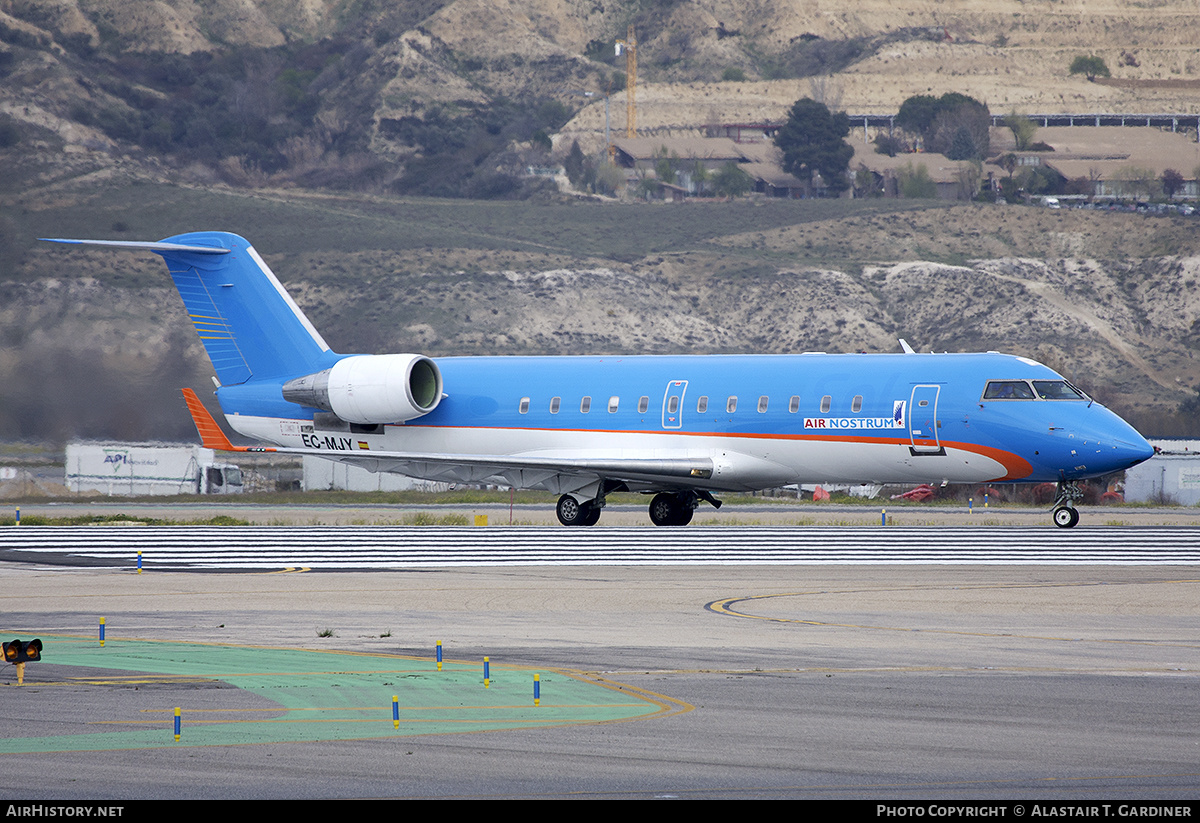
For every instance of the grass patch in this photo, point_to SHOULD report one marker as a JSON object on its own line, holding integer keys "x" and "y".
{"x": 121, "y": 520}
{"x": 431, "y": 519}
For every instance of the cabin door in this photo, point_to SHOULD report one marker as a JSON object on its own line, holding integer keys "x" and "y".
{"x": 672, "y": 409}
{"x": 923, "y": 420}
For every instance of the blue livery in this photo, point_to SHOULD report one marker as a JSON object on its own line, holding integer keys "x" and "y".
{"x": 682, "y": 428}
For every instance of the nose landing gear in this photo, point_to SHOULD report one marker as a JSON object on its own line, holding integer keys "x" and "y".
{"x": 1065, "y": 517}
{"x": 1065, "y": 514}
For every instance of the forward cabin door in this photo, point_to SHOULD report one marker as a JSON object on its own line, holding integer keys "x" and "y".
{"x": 672, "y": 408}
{"x": 923, "y": 420}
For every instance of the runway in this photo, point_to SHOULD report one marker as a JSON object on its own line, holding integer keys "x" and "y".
{"x": 400, "y": 547}
{"x": 1064, "y": 680}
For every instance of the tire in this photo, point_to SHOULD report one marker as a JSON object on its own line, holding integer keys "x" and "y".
{"x": 668, "y": 509}
{"x": 1065, "y": 517}
{"x": 570, "y": 511}
{"x": 593, "y": 515}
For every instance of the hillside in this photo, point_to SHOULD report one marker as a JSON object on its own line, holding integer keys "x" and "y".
{"x": 368, "y": 95}
{"x": 96, "y": 343}
{"x": 317, "y": 127}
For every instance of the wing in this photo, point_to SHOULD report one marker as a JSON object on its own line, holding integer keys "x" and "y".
{"x": 554, "y": 474}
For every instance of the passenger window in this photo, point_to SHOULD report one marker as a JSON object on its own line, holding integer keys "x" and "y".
{"x": 1007, "y": 390}
{"x": 856, "y": 404}
{"x": 524, "y": 405}
{"x": 762, "y": 404}
{"x": 643, "y": 404}
{"x": 554, "y": 403}
{"x": 731, "y": 404}
{"x": 673, "y": 404}
{"x": 794, "y": 404}
{"x": 826, "y": 404}
{"x": 613, "y": 402}
{"x": 585, "y": 405}
{"x": 702, "y": 404}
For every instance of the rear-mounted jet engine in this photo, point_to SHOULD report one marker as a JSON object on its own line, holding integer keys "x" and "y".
{"x": 371, "y": 388}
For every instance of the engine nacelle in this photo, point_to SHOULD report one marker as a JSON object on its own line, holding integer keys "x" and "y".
{"x": 371, "y": 388}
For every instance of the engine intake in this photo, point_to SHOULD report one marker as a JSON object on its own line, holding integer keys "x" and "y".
{"x": 371, "y": 388}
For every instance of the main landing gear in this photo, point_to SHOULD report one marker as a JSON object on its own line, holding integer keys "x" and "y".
{"x": 666, "y": 508}
{"x": 571, "y": 512}
{"x": 677, "y": 508}
{"x": 1065, "y": 514}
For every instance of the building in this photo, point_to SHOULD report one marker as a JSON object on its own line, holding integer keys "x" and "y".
{"x": 641, "y": 158}
{"x": 1171, "y": 476}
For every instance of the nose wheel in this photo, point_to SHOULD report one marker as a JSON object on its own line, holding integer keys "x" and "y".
{"x": 1065, "y": 517}
{"x": 1065, "y": 514}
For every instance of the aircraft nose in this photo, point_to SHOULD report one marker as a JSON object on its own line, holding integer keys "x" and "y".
{"x": 1119, "y": 454}
{"x": 1091, "y": 454}
{"x": 1132, "y": 453}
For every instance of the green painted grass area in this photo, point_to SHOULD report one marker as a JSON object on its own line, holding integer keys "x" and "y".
{"x": 316, "y": 695}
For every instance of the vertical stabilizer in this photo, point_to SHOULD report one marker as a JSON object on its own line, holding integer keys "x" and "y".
{"x": 249, "y": 325}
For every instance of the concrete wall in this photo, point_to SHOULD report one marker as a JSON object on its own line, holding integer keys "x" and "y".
{"x": 320, "y": 474}
{"x": 1165, "y": 477}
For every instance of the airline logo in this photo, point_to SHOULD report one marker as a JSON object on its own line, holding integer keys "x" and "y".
{"x": 896, "y": 421}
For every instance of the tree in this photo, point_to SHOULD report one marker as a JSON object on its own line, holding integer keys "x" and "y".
{"x": 916, "y": 183}
{"x": 1023, "y": 130}
{"x": 1090, "y": 66}
{"x": 962, "y": 147}
{"x": 916, "y": 113}
{"x": 813, "y": 142}
{"x": 664, "y": 165}
{"x": 731, "y": 181}
{"x": 573, "y": 165}
{"x": 1172, "y": 182}
{"x": 954, "y": 124}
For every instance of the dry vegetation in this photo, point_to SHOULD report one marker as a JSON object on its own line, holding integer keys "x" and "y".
{"x": 1111, "y": 301}
{"x": 103, "y": 101}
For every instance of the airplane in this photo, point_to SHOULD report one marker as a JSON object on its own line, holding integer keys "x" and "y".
{"x": 680, "y": 427}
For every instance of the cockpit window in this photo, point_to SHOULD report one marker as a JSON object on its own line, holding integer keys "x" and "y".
{"x": 1057, "y": 390}
{"x": 1007, "y": 390}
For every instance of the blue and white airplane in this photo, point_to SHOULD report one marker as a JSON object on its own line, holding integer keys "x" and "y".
{"x": 680, "y": 427}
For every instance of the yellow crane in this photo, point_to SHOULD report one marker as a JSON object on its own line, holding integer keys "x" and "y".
{"x": 629, "y": 44}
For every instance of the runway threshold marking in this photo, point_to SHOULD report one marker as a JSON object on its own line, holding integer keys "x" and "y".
{"x": 318, "y": 695}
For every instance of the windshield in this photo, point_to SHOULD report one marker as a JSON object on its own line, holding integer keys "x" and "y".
{"x": 1057, "y": 390}
{"x": 1007, "y": 390}
{"x": 1041, "y": 389}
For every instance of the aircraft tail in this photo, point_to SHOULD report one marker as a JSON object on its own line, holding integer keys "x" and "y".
{"x": 248, "y": 323}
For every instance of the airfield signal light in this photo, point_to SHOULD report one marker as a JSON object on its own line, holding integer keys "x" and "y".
{"x": 18, "y": 652}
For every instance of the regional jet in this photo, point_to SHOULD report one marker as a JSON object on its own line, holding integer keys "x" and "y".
{"x": 680, "y": 428}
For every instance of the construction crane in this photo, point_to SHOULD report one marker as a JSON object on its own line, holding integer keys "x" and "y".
{"x": 630, "y": 46}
